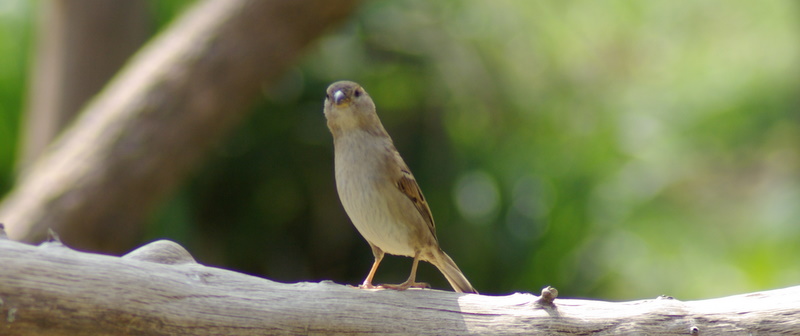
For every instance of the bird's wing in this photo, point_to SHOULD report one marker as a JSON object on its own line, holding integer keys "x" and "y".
{"x": 409, "y": 187}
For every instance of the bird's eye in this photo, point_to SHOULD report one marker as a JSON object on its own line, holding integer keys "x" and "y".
{"x": 357, "y": 93}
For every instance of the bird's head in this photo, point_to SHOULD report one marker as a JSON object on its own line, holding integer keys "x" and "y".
{"x": 349, "y": 106}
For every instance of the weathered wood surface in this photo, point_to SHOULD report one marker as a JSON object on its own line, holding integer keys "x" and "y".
{"x": 160, "y": 290}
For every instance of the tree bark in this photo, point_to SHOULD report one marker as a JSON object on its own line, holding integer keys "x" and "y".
{"x": 138, "y": 139}
{"x": 160, "y": 290}
{"x": 80, "y": 45}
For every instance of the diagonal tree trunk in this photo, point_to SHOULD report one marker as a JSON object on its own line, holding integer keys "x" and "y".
{"x": 144, "y": 132}
{"x": 80, "y": 45}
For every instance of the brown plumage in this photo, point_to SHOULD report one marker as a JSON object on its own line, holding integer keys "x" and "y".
{"x": 378, "y": 191}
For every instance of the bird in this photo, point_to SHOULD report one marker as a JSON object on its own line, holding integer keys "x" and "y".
{"x": 378, "y": 191}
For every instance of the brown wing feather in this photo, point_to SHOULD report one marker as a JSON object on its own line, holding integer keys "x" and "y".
{"x": 408, "y": 185}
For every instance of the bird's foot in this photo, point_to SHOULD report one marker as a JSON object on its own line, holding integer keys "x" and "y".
{"x": 400, "y": 287}
{"x": 407, "y": 285}
{"x": 369, "y": 286}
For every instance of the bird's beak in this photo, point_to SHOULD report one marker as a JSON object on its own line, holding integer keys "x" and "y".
{"x": 338, "y": 97}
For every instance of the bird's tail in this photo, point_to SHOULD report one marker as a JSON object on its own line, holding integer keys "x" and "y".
{"x": 448, "y": 267}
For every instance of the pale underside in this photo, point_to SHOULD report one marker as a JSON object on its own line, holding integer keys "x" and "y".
{"x": 373, "y": 201}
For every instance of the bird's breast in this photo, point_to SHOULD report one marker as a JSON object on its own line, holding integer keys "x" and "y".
{"x": 369, "y": 196}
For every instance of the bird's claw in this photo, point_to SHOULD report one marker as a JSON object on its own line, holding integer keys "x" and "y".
{"x": 399, "y": 287}
{"x": 407, "y": 285}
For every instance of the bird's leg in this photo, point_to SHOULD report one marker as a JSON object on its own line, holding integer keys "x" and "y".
{"x": 367, "y": 284}
{"x": 378, "y": 253}
{"x": 411, "y": 278}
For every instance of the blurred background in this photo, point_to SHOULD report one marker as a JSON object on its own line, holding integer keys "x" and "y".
{"x": 614, "y": 150}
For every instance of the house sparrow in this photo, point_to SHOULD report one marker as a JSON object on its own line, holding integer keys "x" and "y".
{"x": 378, "y": 191}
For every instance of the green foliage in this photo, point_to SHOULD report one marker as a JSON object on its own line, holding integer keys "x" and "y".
{"x": 15, "y": 31}
{"x": 617, "y": 149}
{"x": 625, "y": 149}
{"x": 162, "y": 12}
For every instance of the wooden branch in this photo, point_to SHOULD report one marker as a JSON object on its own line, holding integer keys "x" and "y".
{"x": 68, "y": 69}
{"x": 178, "y": 96}
{"x": 160, "y": 290}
